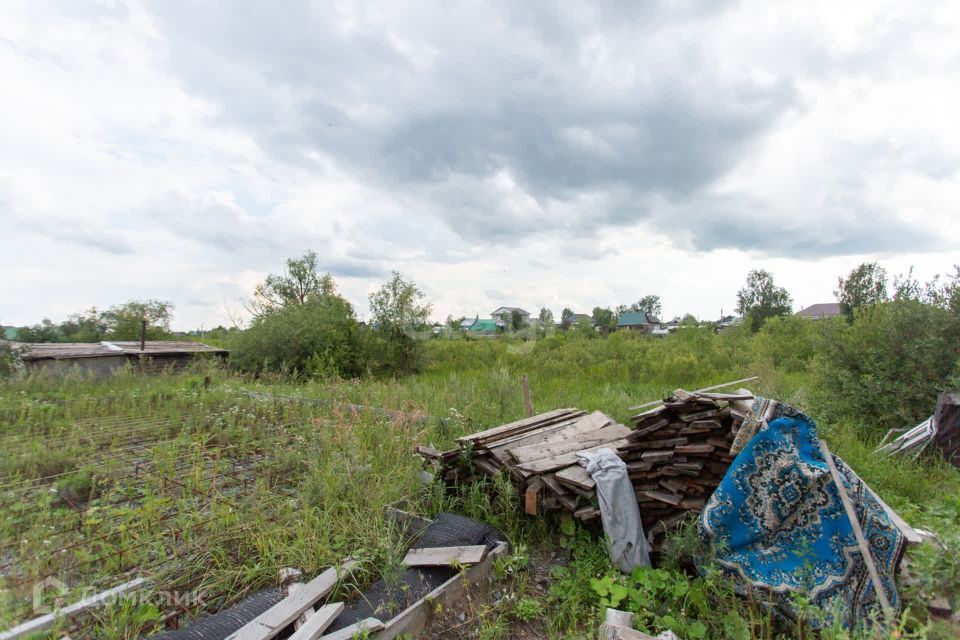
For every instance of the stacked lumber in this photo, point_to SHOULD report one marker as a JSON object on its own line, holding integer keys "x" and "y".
{"x": 539, "y": 455}
{"x": 679, "y": 452}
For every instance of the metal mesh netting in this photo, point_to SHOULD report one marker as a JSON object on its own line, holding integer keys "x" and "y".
{"x": 383, "y": 599}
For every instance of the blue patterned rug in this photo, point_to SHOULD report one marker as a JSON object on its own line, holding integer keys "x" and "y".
{"x": 778, "y": 526}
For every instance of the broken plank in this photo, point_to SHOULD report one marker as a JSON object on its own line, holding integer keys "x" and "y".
{"x": 695, "y": 448}
{"x": 275, "y": 619}
{"x": 318, "y": 622}
{"x": 445, "y": 556}
{"x": 565, "y": 459}
{"x": 657, "y": 455}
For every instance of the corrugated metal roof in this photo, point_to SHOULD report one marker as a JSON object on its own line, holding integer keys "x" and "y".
{"x": 633, "y": 318}
{"x": 69, "y": 350}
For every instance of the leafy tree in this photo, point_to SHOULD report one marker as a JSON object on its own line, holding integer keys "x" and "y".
{"x": 648, "y": 304}
{"x": 604, "y": 317}
{"x": 689, "y": 320}
{"x": 399, "y": 309}
{"x": 44, "y": 331}
{"x": 319, "y": 337}
{"x": 864, "y": 286}
{"x": 761, "y": 299}
{"x": 546, "y": 316}
{"x": 454, "y": 324}
{"x": 90, "y": 326}
{"x": 122, "y": 322}
{"x": 296, "y": 285}
{"x": 566, "y": 317}
{"x": 516, "y": 321}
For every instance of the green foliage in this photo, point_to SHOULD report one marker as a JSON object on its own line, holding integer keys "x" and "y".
{"x": 120, "y": 322}
{"x": 566, "y": 317}
{"x": 866, "y": 285}
{"x": 546, "y": 317}
{"x": 661, "y": 599}
{"x": 650, "y": 305}
{"x": 761, "y": 299}
{"x": 604, "y": 317}
{"x": 887, "y": 367}
{"x": 320, "y": 337}
{"x": 297, "y": 285}
{"x": 399, "y": 310}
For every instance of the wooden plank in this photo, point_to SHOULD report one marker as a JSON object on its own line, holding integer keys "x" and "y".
{"x": 445, "y": 556}
{"x": 411, "y": 524}
{"x": 657, "y": 455}
{"x": 516, "y": 426}
{"x": 527, "y": 402}
{"x": 367, "y": 625}
{"x": 317, "y": 623}
{"x": 664, "y": 496}
{"x": 275, "y": 619}
{"x": 566, "y": 459}
{"x": 857, "y": 531}
{"x": 577, "y": 476}
{"x": 583, "y": 441}
{"x": 705, "y": 389}
{"x": 566, "y": 431}
{"x": 416, "y": 617}
{"x": 31, "y": 627}
{"x": 530, "y": 497}
{"x": 695, "y": 448}
{"x": 547, "y": 433}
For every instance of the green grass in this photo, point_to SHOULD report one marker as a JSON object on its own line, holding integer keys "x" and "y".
{"x": 215, "y": 490}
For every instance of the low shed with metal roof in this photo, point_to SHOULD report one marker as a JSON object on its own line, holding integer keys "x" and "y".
{"x": 103, "y": 358}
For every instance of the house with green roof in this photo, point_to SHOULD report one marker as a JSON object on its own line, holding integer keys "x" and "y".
{"x": 637, "y": 321}
{"x": 10, "y": 333}
{"x": 486, "y": 326}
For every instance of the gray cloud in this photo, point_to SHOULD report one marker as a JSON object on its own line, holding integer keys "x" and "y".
{"x": 494, "y": 90}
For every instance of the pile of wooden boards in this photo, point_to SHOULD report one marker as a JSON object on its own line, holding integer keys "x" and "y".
{"x": 679, "y": 452}
{"x": 539, "y": 455}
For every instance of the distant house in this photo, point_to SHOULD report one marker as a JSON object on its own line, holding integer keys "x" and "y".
{"x": 504, "y": 315}
{"x": 103, "y": 358}
{"x": 466, "y": 323}
{"x": 580, "y": 317}
{"x": 637, "y": 321}
{"x": 483, "y": 326}
{"x": 822, "y": 310}
{"x": 10, "y": 333}
{"x": 726, "y": 322}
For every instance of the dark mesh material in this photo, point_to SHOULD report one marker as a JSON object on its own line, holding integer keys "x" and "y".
{"x": 220, "y": 625}
{"x": 383, "y": 599}
{"x": 451, "y": 530}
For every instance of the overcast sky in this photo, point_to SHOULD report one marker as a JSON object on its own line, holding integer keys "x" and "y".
{"x": 516, "y": 153}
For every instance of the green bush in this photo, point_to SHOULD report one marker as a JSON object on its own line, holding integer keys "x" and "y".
{"x": 887, "y": 366}
{"x": 318, "y": 338}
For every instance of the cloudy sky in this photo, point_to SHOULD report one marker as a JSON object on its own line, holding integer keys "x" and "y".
{"x": 498, "y": 153}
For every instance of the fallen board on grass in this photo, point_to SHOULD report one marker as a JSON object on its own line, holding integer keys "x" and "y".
{"x": 275, "y": 619}
{"x": 318, "y": 622}
{"x": 445, "y": 556}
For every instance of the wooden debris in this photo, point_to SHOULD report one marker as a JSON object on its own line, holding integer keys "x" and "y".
{"x": 941, "y": 430}
{"x": 367, "y": 625}
{"x": 445, "y": 556}
{"x": 275, "y": 619}
{"x": 318, "y": 622}
{"x": 539, "y": 455}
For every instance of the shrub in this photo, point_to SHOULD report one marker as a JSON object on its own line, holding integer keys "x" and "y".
{"x": 889, "y": 364}
{"x": 320, "y": 337}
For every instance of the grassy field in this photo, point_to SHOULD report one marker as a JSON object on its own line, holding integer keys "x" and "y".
{"x": 212, "y": 489}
